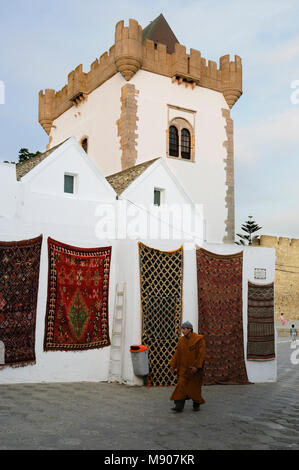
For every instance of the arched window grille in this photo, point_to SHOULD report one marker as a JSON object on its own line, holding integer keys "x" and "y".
{"x": 185, "y": 144}
{"x": 173, "y": 141}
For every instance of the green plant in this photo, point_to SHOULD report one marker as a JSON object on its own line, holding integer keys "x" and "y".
{"x": 249, "y": 227}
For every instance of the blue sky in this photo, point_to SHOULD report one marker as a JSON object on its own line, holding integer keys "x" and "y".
{"x": 43, "y": 41}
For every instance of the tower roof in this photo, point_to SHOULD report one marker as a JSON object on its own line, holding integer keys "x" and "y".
{"x": 160, "y": 31}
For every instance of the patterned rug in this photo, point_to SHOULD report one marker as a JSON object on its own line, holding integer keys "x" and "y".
{"x": 260, "y": 340}
{"x": 78, "y": 291}
{"x": 161, "y": 285}
{"x": 19, "y": 278}
{"x": 220, "y": 316}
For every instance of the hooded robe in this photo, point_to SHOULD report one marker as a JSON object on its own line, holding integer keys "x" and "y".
{"x": 190, "y": 352}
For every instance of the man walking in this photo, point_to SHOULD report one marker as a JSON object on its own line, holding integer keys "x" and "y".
{"x": 188, "y": 360}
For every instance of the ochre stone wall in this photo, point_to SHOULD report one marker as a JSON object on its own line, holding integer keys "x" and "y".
{"x": 287, "y": 275}
{"x": 127, "y": 126}
{"x": 230, "y": 181}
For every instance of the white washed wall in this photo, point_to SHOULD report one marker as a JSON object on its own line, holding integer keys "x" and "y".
{"x": 93, "y": 365}
{"x": 58, "y": 366}
{"x": 8, "y": 190}
{"x": 97, "y": 120}
{"x": 204, "y": 179}
{"x": 253, "y": 257}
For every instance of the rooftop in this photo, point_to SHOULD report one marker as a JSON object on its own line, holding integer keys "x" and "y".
{"x": 24, "y": 167}
{"x": 159, "y": 31}
{"x": 121, "y": 180}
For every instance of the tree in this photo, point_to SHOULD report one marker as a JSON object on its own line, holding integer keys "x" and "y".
{"x": 25, "y": 155}
{"x": 249, "y": 227}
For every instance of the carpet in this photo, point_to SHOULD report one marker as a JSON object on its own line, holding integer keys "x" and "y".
{"x": 78, "y": 295}
{"x": 260, "y": 333}
{"x": 19, "y": 280}
{"x": 220, "y": 320}
{"x": 161, "y": 287}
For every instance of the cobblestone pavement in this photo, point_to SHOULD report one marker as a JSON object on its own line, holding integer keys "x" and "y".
{"x": 109, "y": 417}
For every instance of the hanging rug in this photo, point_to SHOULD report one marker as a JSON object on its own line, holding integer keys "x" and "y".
{"x": 78, "y": 294}
{"x": 220, "y": 319}
{"x": 161, "y": 287}
{"x": 260, "y": 332}
{"x": 19, "y": 280}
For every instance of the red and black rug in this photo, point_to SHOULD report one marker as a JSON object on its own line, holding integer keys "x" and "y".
{"x": 261, "y": 335}
{"x": 19, "y": 279}
{"x": 78, "y": 295}
{"x": 220, "y": 319}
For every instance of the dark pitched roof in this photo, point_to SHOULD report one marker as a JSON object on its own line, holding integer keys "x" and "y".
{"x": 160, "y": 31}
{"x": 121, "y": 180}
{"x": 24, "y": 167}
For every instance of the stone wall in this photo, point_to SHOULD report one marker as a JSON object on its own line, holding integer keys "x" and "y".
{"x": 127, "y": 126}
{"x": 287, "y": 275}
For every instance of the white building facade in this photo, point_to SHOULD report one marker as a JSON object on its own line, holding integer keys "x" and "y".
{"x": 110, "y": 212}
{"x": 141, "y": 102}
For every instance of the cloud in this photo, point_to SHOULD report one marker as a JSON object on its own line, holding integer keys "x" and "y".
{"x": 278, "y": 133}
{"x": 285, "y": 52}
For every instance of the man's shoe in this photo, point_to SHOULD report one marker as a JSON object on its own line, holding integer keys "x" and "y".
{"x": 178, "y": 410}
{"x": 196, "y": 407}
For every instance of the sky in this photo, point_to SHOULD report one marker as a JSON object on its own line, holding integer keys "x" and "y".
{"x": 41, "y": 42}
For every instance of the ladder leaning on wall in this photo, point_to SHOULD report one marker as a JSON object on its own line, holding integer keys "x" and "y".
{"x": 117, "y": 338}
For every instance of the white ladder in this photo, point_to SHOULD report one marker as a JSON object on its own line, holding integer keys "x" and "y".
{"x": 117, "y": 338}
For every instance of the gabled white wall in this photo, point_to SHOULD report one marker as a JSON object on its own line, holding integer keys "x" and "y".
{"x": 8, "y": 190}
{"x": 176, "y": 218}
{"x": 44, "y": 209}
{"x": 43, "y": 199}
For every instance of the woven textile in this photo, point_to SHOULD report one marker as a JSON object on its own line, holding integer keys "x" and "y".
{"x": 19, "y": 279}
{"x": 260, "y": 333}
{"x": 220, "y": 316}
{"x": 77, "y": 306}
{"x": 161, "y": 285}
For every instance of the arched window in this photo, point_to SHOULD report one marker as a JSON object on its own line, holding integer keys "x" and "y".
{"x": 173, "y": 142}
{"x": 180, "y": 139}
{"x": 185, "y": 144}
{"x": 84, "y": 144}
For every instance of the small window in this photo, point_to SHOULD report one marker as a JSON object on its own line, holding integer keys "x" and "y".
{"x": 69, "y": 184}
{"x": 173, "y": 141}
{"x": 157, "y": 197}
{"x": 84, "y": 144}
{"x": 185, "y": 144}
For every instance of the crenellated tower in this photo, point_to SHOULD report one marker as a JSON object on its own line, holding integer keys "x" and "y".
{"x": 130, "y": 53}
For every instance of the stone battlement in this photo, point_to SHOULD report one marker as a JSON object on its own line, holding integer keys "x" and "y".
{"x": 279, "y": 242}
{"x": 287, "y": 275}
{"x": 127, "y": 56}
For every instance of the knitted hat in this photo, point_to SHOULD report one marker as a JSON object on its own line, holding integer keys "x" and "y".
{"x": 187, "y": 324}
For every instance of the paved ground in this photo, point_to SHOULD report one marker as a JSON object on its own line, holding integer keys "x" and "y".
{"x": 111, "y": 417}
